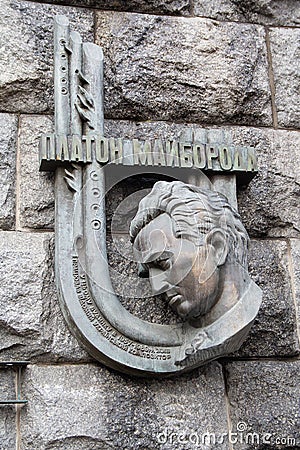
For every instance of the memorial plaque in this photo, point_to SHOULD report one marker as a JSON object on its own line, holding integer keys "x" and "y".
{"x": 187, "y": 237}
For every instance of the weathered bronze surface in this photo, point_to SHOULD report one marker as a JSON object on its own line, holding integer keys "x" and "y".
{"x": 188, "y": 239}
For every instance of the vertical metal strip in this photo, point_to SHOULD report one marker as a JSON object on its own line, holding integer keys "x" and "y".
{"x": 62, "y": 122}
{"x": 93, "y": 72}
{"x": 94, "y": 178}
{"x": 61, "y": 75}
{"x": 75, "y": 70}
{"x": 75, "y": 74}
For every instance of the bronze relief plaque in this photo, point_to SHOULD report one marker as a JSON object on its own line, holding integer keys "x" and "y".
{"x": 187, "y": 237}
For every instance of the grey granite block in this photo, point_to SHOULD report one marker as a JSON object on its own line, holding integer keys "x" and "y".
{"x": 264, "y": 404}
{"x": 8, "y": 138}
{"x": 274, "y": 332}
{"x": 7, "y": 412}
{"x": 26, "y": 66}
{"x": 285, "y": 49}
{"x": 266, "y": 12}
{"x": 168, "y": 68}
{"x": 31, "y": 323}
{"x": 86, "y": 406}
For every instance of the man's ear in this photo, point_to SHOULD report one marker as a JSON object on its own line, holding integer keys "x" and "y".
{"x": 217, "y": 239}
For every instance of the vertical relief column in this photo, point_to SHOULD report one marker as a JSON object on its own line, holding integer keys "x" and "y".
{"x": 194, "y": 176}
{"x": 63, "y": 197}
{"x": 61, "y": 76}
{"x": 85, "y": 90}
{"x": 75, "y": 78}
{"x": 94, "y": 178}
{"x": 62, "y": 114}
{"x": 93, "y": 73}
{"x": 225, "y": 184}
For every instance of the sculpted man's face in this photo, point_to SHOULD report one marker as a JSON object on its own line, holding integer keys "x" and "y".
{"x": 186, "y": 273}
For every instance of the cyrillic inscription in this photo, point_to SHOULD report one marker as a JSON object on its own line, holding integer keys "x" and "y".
{"x": 60, "y": 149}
{"x": 105, "y": 328}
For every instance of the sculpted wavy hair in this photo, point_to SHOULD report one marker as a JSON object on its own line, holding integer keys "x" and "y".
{"x": 194, "y": 212}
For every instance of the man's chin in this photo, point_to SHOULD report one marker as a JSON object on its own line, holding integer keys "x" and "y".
{"x": 185, "y": 310}
{"x": 182, "y": 307}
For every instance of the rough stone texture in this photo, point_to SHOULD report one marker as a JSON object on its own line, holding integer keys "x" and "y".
{"x": 26, "y": 82}
{"x": 7, "y": 412}
{"x": 76, "y": 407}
{"x": 176, "y": 7}
{"x": 264, "y": 396}
{"x": 274, "y": 332}
{"x": 7, "y": 384}
{"x": 31, "y": 323}
{"x": 270, "y": 203}
{"x": 36, "y": 188}
{"x": 184, "y": 69}
{"x": 285, "y": 48}
{"x": 295, "y": 274}
{"x": 267, "y": 12}
{"x": 8, "y": 137}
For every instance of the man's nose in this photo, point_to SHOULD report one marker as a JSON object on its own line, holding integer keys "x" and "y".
{"x": 158, "y": 281}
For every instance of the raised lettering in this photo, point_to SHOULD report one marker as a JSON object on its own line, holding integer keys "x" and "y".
{"x": 199, "y": 156}
{"x": 225, "y": 158}
{"x": 142, "y": 153}
{"x": 116, "y": 150}
{"x": 172, "y": 157}
{"x": 77, "y": 153}
{"x": 185, "y": 150}
{"x": 88, "y": 148}
{"x": 252, "y": 160}
{"x": 211, "y": 153}
{"x": 62, "y": 150}
{"x": 238, "y": 163}
{"x": 101, "y": 150}
{"x": 47, "y": 147}
{"x": 158, "y": 154}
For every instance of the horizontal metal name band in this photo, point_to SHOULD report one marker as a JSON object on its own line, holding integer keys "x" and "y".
{"x": 61, "y": 149}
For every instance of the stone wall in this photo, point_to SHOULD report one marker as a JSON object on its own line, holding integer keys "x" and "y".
{"x": 226, "y": 66}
